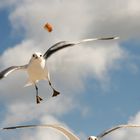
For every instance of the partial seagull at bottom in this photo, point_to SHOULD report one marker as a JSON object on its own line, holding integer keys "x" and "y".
{"x": 68, "y": 134}
{"x": 36, "y": 67}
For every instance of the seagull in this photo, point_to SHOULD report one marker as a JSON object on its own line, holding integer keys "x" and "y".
{"x": 36, "y": 67}
{"x": 68, "y": 134}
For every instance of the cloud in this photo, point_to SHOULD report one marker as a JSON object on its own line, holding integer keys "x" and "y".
{"x": 116, "y": 17}
{"x": 69, "y": 68}
{"x": 127, "y": 133}
{"x": 21, "y": 113}
{"x": 47, "y": 11}
{"x": 39, "y": 133}
{"x": 7, "y": 3}
{"x": 73, "y": 64}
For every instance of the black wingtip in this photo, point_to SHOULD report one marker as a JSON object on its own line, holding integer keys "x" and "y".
{"x": 7, "y": 128}
{"x": 1, "y": 76}
{"x": 109, "y": 38}
{"x": 56, "y": 47}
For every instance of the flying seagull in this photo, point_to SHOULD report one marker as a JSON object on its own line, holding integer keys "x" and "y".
{"x": 68, "y": 134}
{"x": 36, "y": 67}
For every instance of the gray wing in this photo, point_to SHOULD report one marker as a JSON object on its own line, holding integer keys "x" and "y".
{"x": 9, "y": 70}
{"x": 115, "y": 128}
{"x": 69, "y": 135}
{"x": 64, "y": 44}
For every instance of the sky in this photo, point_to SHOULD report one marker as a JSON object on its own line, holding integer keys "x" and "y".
{"x": 98, "y": 81}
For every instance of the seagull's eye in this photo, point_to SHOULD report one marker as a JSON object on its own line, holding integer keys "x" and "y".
{"x": 33, "y": 55}
{"x": 40, "y": 55}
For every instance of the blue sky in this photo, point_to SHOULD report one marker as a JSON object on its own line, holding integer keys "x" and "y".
{"x": 5, "y": 29}
{"x": 8, "y": 38}
{"x": 99, "y": 81}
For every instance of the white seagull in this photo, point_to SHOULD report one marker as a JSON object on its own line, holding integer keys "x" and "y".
{"x": 68, "y": 134}
{"x": 36, "y": 67}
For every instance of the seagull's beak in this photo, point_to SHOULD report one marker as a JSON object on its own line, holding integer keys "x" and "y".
{"x": 36, "y": 57}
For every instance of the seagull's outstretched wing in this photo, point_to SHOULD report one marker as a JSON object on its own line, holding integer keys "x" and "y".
{"x": 69, "y": 135}
{"x": 7, "y": 71}
{"x": 63, "y": 44}
{"x": 115, "y": 128}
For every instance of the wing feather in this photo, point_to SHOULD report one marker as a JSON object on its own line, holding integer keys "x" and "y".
{"x": 69, "y": 135}
{"x": 115, "y": 128}
{"x": 64, "y": 44}
{"x": 11, "y": 69}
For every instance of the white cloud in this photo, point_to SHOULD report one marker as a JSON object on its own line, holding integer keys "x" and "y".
{"x": 39, "y": 133}
{"x": 116, "y": 17}
{"x": 135, "y": 119}
{"x": 5, "y": 3}
{"x": 71, "y": 67}
{"x": 32, "y": 16}
{"x": 127, "y": 133}
{"x": 21, "y": 113}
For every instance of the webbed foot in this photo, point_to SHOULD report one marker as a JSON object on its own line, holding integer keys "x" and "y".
{"x": 38, "y": 99}
{"x": 55, "y": 93}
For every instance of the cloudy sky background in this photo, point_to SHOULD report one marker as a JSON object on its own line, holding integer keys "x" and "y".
{"x": 99, "y": 81}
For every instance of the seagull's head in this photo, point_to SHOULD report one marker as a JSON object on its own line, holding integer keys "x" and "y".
{"x": 37, "y": 56}
{"x": 92, "y": 138}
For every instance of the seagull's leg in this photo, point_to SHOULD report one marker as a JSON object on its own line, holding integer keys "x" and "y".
{"x": 55, "y": 92}
{"x": 38, "y": 98}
